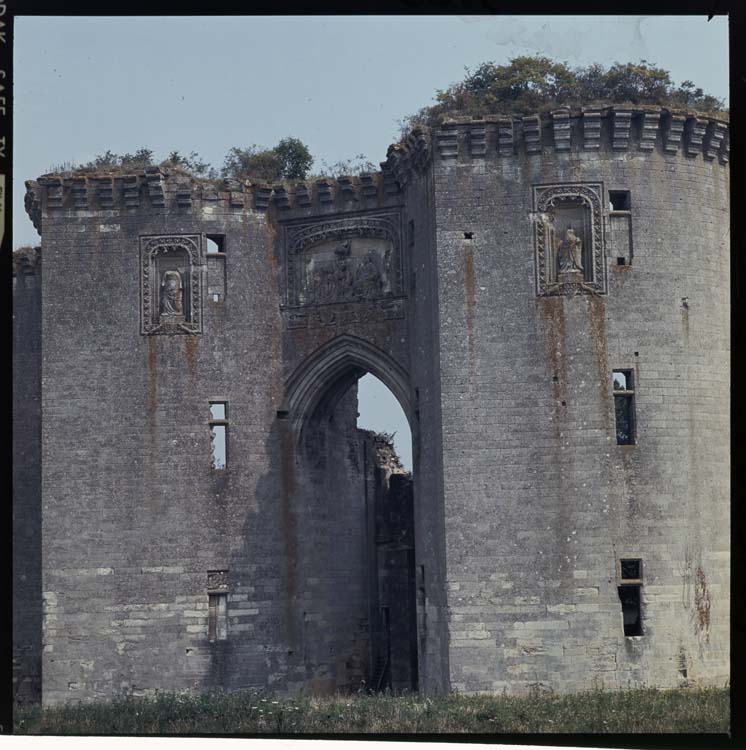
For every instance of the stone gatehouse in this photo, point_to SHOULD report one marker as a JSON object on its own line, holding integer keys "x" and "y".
{"x": 546, "y": 297}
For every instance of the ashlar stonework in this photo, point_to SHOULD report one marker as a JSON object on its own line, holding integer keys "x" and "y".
{"x": 195, "y": 507}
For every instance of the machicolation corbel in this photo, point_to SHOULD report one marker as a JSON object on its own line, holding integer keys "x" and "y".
{"x": 622, "y": 123}
{"x": 649, "y": 132}
{"x": 561, "y": 129}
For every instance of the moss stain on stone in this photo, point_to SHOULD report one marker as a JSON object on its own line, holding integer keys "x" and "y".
{"x": 597, "y": 328}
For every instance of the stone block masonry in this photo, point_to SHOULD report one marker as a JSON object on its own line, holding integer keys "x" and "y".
{"x": 498, "y": 275}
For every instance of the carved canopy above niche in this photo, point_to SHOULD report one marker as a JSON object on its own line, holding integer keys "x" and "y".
{"x": 569, "y": 239}
{"x": 347, "y": 263}
{"x": 170, "y": 284}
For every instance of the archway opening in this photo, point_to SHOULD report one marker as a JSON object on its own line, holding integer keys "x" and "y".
{"x": 355, "y": 504}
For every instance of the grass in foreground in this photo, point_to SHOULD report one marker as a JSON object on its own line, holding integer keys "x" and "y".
{"x": 631, "y": 711}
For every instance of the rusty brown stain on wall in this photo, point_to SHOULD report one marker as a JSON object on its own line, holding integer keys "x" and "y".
{"x": 151, "y": 404}
{"x": 275, "y": 282}
{"x": 287, "y": 490}
{"x": 272, "y": 250}
{"x": 685, "y": 323}
{"x": 190, "y": 352}
{"x": 151, "y": 379}
{"x": 597, "y": 327}
{"x": 702, "y": 603}
{"x": 470, "y": 289}
{"x": 552, "y": 314}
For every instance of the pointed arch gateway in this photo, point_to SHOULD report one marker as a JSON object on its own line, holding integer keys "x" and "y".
{"x": 327, "y": 374}
{"x": 360, "y": 566}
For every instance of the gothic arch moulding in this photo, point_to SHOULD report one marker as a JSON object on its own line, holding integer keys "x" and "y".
{"x": 170, "y": 284}
{"x": 569, "y": 239}
{"x": 343, "y": 356}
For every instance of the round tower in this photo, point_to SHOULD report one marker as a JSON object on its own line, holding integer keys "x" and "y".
{"x": 583, "y": 337}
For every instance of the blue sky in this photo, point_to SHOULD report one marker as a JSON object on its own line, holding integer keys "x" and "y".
{"x": 340, "y": 84}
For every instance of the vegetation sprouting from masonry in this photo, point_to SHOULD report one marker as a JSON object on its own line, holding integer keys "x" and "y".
{"x": 290, "y": 159}
{"x": 525, "y": 85}
{"x": 530, "y": 85}
{"x": 634, "y": 711}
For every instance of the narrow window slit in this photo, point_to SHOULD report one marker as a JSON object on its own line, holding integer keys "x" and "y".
{"x": 217, "y": 607}
{"x": 624, "y": 406}
{"x": 630, "y": 595}
{"x": 219, "y": 434}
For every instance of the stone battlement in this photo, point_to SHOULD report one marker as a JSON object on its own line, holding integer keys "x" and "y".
{"x": 159, "y": 189}
{"x": 611, "y": 129}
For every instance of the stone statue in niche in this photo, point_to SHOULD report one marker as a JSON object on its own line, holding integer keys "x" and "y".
{"x": 343, "y": 272}
{"x": 368, "y": 279}
{"x": 171, "y": 291}
{"x": 568, "y": 230}
{"x": 570, "y": 252}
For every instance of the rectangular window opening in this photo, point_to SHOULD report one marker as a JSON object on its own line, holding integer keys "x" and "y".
{"x": 621, "y": 261}
{"x": 215, "y": 243}
{"x": 619, "y": 200}
{"x": 219, "y": 434}
{"x": 631, "y": 570}
{"x": 468, "y": 235}
{"x": 629, "y": 595}
{"x": 410, "y": 228}
{"x": 218, "y": 616}
{"x": 624, "y": 406}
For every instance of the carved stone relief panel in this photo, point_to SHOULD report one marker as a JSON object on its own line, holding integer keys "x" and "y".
{"x": 569, "y": 239}
{"x": 343, "y": 270}
{"x": 170, "y": 284}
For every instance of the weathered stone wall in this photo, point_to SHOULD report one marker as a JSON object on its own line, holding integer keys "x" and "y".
{"x": 27, "y": 477}
{"x": 426, "y": 428}
{"x": 540, "y": 501}
{"x": 126, "y": 452}
{"x": 439, "y": 275}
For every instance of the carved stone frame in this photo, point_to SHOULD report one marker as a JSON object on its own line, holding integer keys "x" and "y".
{"x": 588, "y": 195}
{"x": 150, "y": 248}
{"x": 299, "y": 236}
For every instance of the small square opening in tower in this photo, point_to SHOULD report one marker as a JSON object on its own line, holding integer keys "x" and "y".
{"x": 630, "y": 570}
{"x": 215, "y": 243}
{"x": 619, "y": 200}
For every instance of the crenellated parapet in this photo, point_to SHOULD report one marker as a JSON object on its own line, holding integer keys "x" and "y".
{"x": 155, "y": 189}
{"x": 613, "y": 129}
{"x": 345, "y": 192}
{"x": 150, "y": 189}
